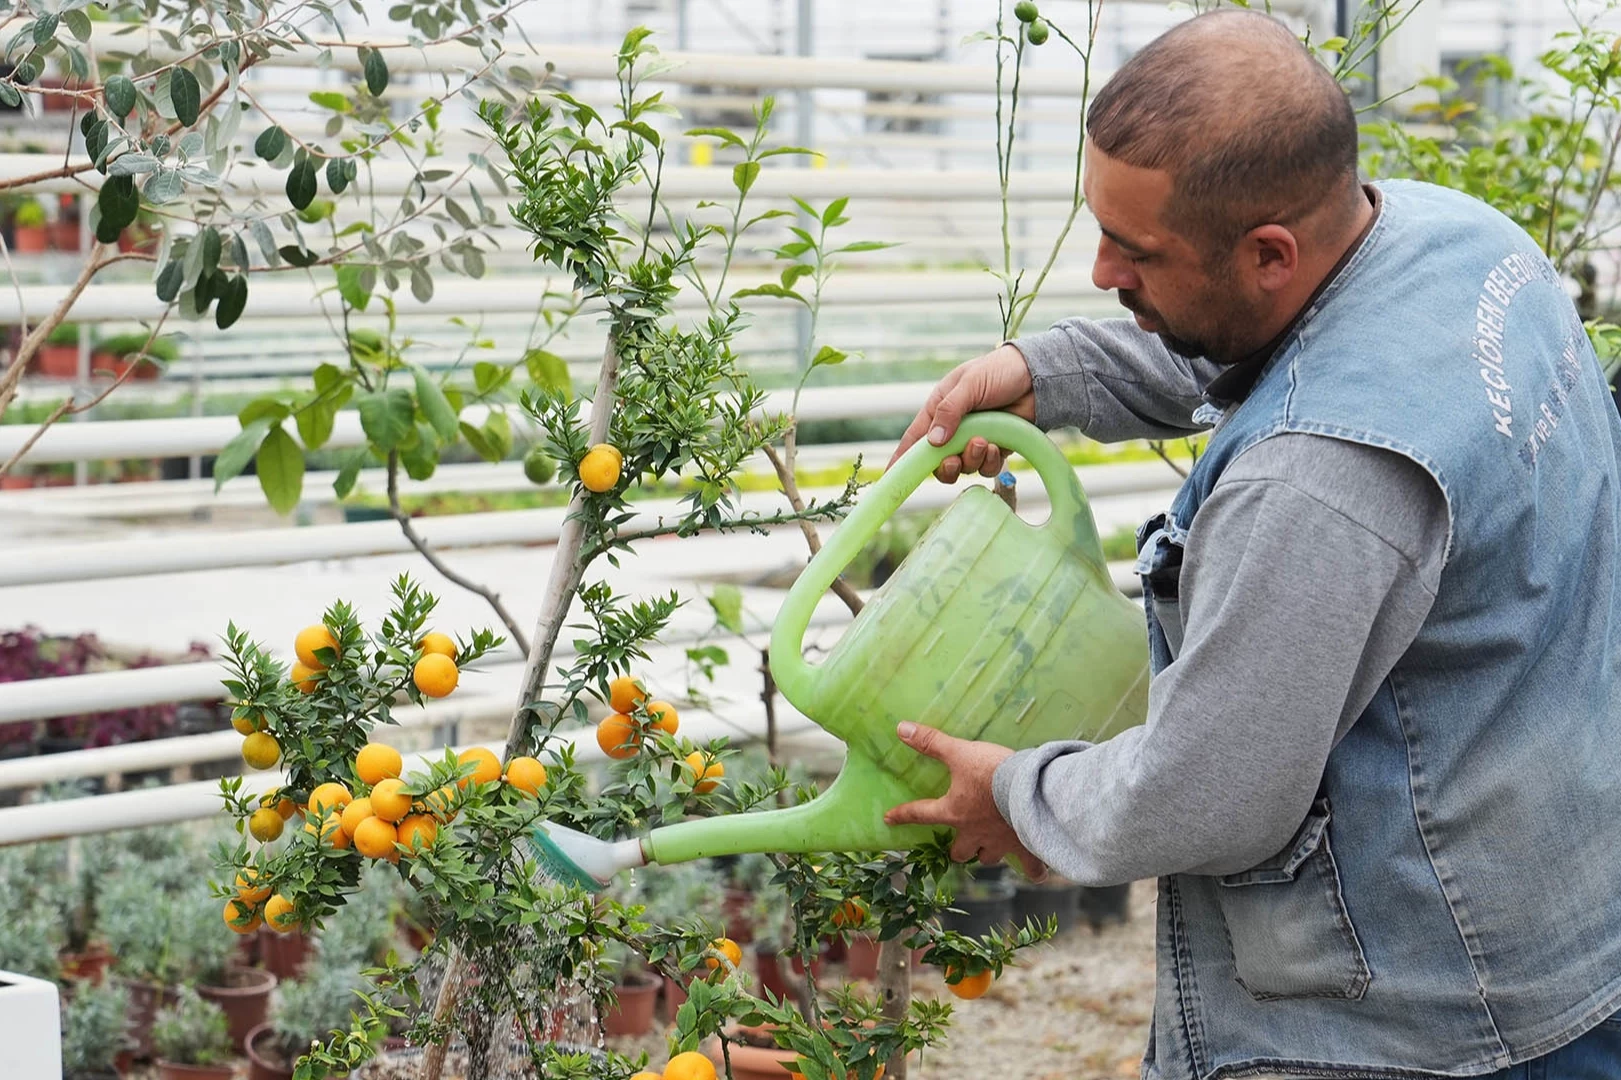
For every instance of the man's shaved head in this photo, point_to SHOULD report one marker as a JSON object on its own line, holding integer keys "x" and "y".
{"x": 1249, "y": 126}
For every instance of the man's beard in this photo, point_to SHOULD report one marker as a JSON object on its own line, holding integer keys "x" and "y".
{"x": 1185, "y": 347}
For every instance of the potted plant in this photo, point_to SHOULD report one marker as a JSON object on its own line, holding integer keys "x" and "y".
{"x": 116, "y": 354}
{"x": 1106, "y": 904}
{"x": 65, "y": 230}
{"x": 58, "y": 358}
{"x": 636, "y": 993}
{"x": 306, "y": 1011}
{"x": 33, "y": 924}
{"x": 192, "y": 1040}
{"x": 981, "y": 904}
{"x": 1053, "y": 897}
{"x": 680, "y": 893}
{"x": 94, "y": 1032}
{"x": 30, "y": 236}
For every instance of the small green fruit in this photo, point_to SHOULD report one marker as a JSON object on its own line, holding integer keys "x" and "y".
{"x": 538, "y": 466}
{"x": 1025, "y": 11}
{"x": 1036, "y": 32}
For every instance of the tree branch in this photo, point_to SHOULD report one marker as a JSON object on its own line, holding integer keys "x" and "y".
{"x": 404, "y": 521}
{"x": 786, "y": 517}
{"x": 790, "y": 487}
{"x": 32, "y": 341}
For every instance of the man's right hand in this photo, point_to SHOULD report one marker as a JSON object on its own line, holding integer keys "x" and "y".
{"x": 998, "y": 380}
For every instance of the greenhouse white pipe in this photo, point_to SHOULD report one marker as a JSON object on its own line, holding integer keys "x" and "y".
{"x": 393, "y": 178}
{"x": 191, "y": 435}
{"x": 518, "y": 294}
{"x": 576, "y": 62}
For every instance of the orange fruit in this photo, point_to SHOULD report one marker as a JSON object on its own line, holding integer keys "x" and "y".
{"x": 727, "y": 948}
{"x": 618, "y": 737}
{"x": 441, "y": 802}
{"x": 706, "y": 774}
{"x": 389, "y": 800}
{"x": 265, "y": 825}
{"x": 261, "y": 750}
{"x": 236, "y": 909}
{"x": 435, "y": 675}
{"x": 308, "y": 640}
{"x": 625, "y": 693}
{"x": 969, "y": 987}
{"x": 375, "y": 838}
{"x": 645, "y": 1075}
{"x": 248, "y": 723}
{"x": 303, "y": 678}
{"x": 664, "y": 716}
{"x": 417, "y": 830}
{"x": 439, "y": 643}
{"x": 353, "y": 814}
{"x": 330, "y": 796}
{"x": 329, "y": 830}
{"x": 378, "y": 761}
{"x": 690, "y": 1066}
{"x": 851, "y": 913}
{"x": 486, "y": 766}
{"x": 246, "y": 890}
{"x": 279, "y": 914}
{"x": 600, "y": 468}
{"x": 526, "y": 774}
{"x": 281, "y": 804}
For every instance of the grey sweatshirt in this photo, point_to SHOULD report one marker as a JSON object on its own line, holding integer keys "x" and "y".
{"x": 1307, "y": 573}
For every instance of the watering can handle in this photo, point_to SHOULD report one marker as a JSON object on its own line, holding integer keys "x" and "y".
{"x": 1070, "y": 516}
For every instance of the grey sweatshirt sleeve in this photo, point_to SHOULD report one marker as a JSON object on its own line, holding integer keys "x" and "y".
{"x": 1307, "y": 573}
{"x": 1113, "y": 380}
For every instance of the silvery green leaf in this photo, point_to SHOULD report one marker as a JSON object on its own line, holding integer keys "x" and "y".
{"x": 132, "y": 165}
{"x": 266, "y": 242}
{"x": 78, "y": 24}
{"x": 191, "y": 144}
{"x": 239, "y": 251}
{"x": 196, "y": 174}
{"x": 163, "y": 186}
{"x": 160, "y": 145}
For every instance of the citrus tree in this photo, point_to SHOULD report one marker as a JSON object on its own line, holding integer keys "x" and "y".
{"x": 670, "y": 404}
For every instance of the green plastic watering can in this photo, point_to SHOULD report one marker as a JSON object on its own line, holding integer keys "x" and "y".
{"x": 990, "y": 629}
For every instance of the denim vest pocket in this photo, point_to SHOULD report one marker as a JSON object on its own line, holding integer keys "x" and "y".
{"x": 1290, "y": 932}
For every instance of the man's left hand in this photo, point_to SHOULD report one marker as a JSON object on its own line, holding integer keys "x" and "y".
{"x": 968, "y": 806}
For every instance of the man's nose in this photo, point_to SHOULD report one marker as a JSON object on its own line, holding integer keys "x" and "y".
{"x": 1110, "y": 270}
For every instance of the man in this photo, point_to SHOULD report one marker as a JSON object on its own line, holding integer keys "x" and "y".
{"x": 1380, "y": 779}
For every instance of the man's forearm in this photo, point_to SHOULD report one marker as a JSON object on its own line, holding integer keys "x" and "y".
{"x": 1112, "y": 380}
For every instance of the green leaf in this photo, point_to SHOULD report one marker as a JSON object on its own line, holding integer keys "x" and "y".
{"x": 118, "y": 203}
{"x": 301, "y": 182}
{"x": 794, "y": 273}
{"x": 549, "y": 372}
{"x": 270, "y": 143}
{"x": 790, "y": 150}
{"x": 769, "y": 289}
{"x": 78, "y": 24}
{"x": 865, "y": 245}
{"x": 727, "y": 600}
{"x": 235, "y": 455}
{"x": 170, "y": 278}
{"x": 330, "y": 99}
{"x": 344, "y": 482}
{"x": 119, "y": 93}
{"x": 163, "y": 186}
{"x": 480, "y": 442}
{"x": 376, "y": 69}
{"x": 386, "y": 417}
{"x": 421, "y": 284}
{"x": 834, "y": 209}
{"x": 185, "y": 95}
{"x": 421, "y": 458}
{"x": 315, "y": 420}
{"x": 488, "y": 377}
{"x": 744, "y": 173}
{"x": 725, "y": 135}
{"x": 827, "y": 354}
{"x": 281, "y": 470}
{"x": 435, "y": 409}
{"x": 232, "y": 302}
{"x": 337, "y": 174}
{"x": 44, "y": 29}
{"x": 272, "y": 408}
{"x": 209, "y": 249}
{"x": 297, "y": 256}
{"x": 498, "y": 429}
{"x": 352, "y": 286}
{"x": 10, "y": 97}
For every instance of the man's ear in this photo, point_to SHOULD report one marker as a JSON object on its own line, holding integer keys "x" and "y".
{"x": 1272, "y": 256}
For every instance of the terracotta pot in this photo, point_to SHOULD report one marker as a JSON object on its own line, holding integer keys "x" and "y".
{"x": 283, "y": 954}
{"x": 91, "y": 964}
{"x": 247, "y": 950}
{"x": 633, "y": 1015}
{"x": 15, "y": 482}
{"x": 30, "y": 239}
{"x": 57, "y": 102}
{"x": 263, "y": 1064}
{"x": 769, "y": 967}
{"x": 65, "y": 235}
{"x": 168, "y": 1070}
{"x": 57, "y": 361}
{"x": 753, "y": 1062}
{"x": 861, "y": 957}
{"x": 145, "y": 999}
{"x": 245, "y": 997}
{"x": 736, "y": 905}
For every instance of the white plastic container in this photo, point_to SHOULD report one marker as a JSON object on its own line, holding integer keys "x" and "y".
{"x": 30, "y": 1029}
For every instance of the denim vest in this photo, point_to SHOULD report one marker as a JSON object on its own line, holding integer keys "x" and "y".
{"x": 1452, "y": 902}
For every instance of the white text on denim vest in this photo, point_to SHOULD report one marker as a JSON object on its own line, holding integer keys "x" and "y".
{"x": 1491, "y": 314}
